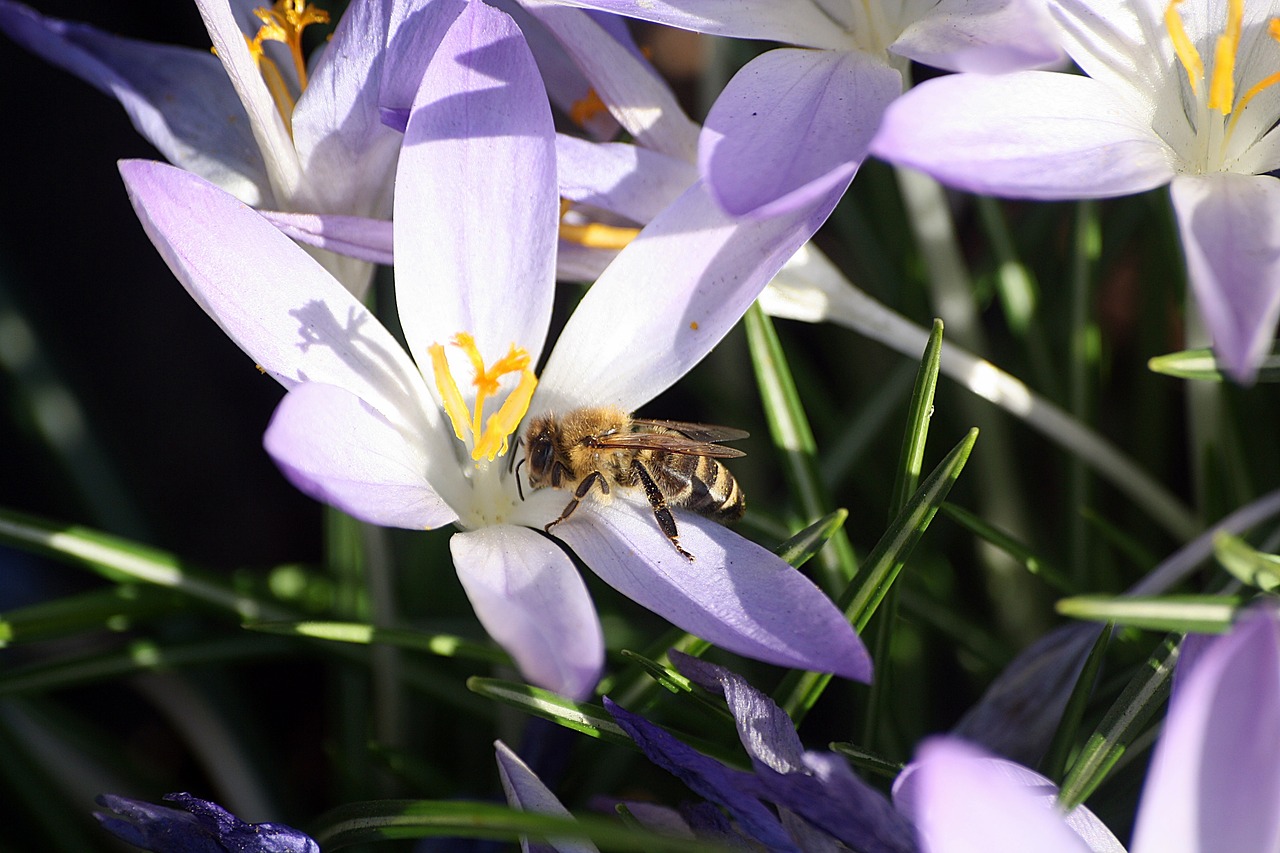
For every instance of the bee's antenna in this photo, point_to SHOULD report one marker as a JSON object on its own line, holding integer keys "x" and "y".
{"x": 511, "y": 461}
{"x": 519, "y": 488}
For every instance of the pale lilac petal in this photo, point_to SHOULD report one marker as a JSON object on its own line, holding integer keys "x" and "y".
{"x": 799, "y": 23}
{"x": 526, "y": 792}
{"x": 986, "y": 36}
{"x": 342, "y": 451}
{"x": 1230, "y": 227}
{"x": 1214, "y": 783}
{"x": 417, "y": 29}
{"x": 734, "y": 594}
{"x": 279, "y": 157}
{"x": 638, "y": 98}
{"x": 270, "y": 297}
{"x": 532, "y": 601}
{"x": 354, "y": 236}
{"x": 476, "y": 211}
{"x": 1030, "y": 134}
{"x": 962, "y": 800}
{"x": 699, "y": 270}
{"x": 624, "y": 179}
{"x": 798, "y": 122}
{"x": 658, "y": 818}
{"x": 178, "y": 98}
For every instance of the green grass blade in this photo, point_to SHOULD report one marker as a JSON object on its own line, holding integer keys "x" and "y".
{"x": 1247, "y": 564}
{"x": 441, "y": 645}
{"x": 591, "y": 720}
{"x": 911, "y": 458}
{"x": 116, "y": 608}
{"x": 1055, "y": 759}
{"x": 1201, "y": 614}
{"x": 1022, "y": 554}
{"x": 1200, "y": 364}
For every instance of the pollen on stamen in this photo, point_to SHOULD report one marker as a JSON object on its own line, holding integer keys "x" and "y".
{"x": 595, "y": 235}
{"x": 489, "y": 438}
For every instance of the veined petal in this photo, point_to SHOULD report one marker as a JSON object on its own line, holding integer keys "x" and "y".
{"x": 986, "y": 36}
{"x": 962, "y": 799}
{"x": 416, "y": 28}
{"x": 1030, "y": 134}
{"x": 698, "y": 270}
{"x": 525, "y": 791}
{"x": 1215, "y": 779}
{"x": 624, "y": 179}
{"x": 1230, "y": 227}
{"x": 800, "y": 23}
{"x": 476, "y": 211}
{"x": 341, "y": 450}
{"x": 178, "y": 98}
{"x": 734, "y": 594}
{"x": 270, "y": 297}
{"x": 637, "y": 97}
{"x": 798, "y": 122}
{"x": 532, "y": 601}
{"x": 278, "y": 154}
{"x": 353, "y": 236}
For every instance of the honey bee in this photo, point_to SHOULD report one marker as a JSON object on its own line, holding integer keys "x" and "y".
{"x": 676, "y": 464}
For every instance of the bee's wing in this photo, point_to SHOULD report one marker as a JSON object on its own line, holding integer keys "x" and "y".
{"x": 697, "y": 432}
{"x": 668, "y": 443}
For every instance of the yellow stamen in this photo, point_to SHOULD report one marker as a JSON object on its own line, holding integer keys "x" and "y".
{"x": 1222, "y": 89}
{"x": 284, "y": 22}
{"x": 594, "y": 235}
{"x": 491, "y": 437}
{"x": 1182, "y": 46}
{"x": 586, "y": 108}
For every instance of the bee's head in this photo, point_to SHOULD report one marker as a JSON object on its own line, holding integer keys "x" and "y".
{"x": 540, "y": 445}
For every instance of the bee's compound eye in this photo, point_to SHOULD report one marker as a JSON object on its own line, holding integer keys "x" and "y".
{"x": 540, "y": 453}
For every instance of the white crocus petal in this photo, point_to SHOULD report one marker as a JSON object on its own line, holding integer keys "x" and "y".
{"x": 270, "y": 297}
{"x": 526, "y": 792}
{"x": 278, "y": 153}
{"x": 698, "y": 270}
{"x": 1124, "y": 46}
{"x": 621, "y": 178}
{"x": 532, "y": 602}
{"x": 1230, "y": 227}
{"x": 476, "y": 206}
{"x": 734, "y": 593}
{"x": 985, "y": 36}
{"x": 341, "y": 451}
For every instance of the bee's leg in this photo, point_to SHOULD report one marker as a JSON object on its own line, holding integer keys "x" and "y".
{"x": 578, "y": 494}
{"x": 661, "y": 512}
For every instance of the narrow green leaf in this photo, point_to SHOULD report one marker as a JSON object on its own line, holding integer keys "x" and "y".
{"x": 591, "y": 720}
{"x": 115, "y": 609}
{"x": 1121, "y": 725}
{"x": 789, "y": 427}
{"x": 1029, "y": 560}
{"x": 1249, "y": 565}
{"x": 1201, "y": 614}
{"x": 1055, "y": 760}
{"x": 666, "y": 676}
{"x": 911, "y": 457}
{"x": 800, "y": 690}
{"x": 1202, "y": 365}
{"x": 442, "y": 645}
{"x": 799, "y": 548}
{"x": 864, "y": 760}
{"x": 384, "y": 820}
{"x": 122, "y": 561}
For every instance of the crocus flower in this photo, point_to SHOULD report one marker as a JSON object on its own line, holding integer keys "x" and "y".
{"x": 795, "y": 123}
{"x": 1213, "y": 784}
{"x": 197, "y": 826}
{"x": 427, "y": 441}
{"x": 525, "y": 791}
{"x": 1178, "y": 94}
{"x": 257, "y": 119}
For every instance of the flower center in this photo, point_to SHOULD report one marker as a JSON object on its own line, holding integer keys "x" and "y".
{"x": 284, "y": 22}
{"x": 1222, "y": 80}
{"x": 488, "y": 439}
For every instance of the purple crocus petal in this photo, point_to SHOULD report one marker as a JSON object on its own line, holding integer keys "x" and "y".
{"x": 532, "y": 601}
{"x": 624, "y": 179}
{"x": 985, "y": 36}
{"x": 734, "y": 594}
{"x": 476, "y": 211}
{"x": 416, "y": 28}
{"x": 699, "y": 270}
{"x": 639, "y": 99}
{"x": 526, "y": 792}
{"x": 962, "y": 799}
{"x": 278, "y": 154}
{"x": 200, "y": 826}
{"x": 354, "y": 236}
{"x": 1230, "y": 227}
{"x": 802, "y": 23}
{"x": 339, "y": 449}
{"x": 270, "y": 297}
{"x": 732, "y": 789}
{"x": 798, "y": 122}
{"x": 178, "y": 98}
{"x": 1030, "y": 134}
{"x": 658, "y": 818}
{"x": 578, "y": 263}
{"x": 1214, "y": 781}
{"x": 1190, "y": 652}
